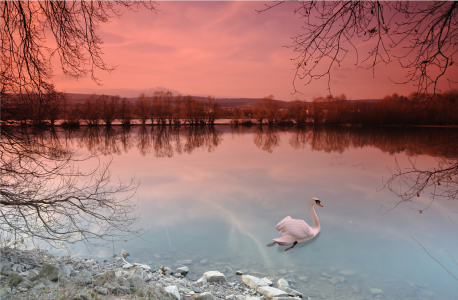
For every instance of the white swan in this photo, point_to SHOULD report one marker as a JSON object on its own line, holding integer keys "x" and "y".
{"x": 297, "y": 231}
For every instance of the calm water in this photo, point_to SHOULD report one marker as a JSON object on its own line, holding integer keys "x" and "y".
{"x": 215, "y": 196}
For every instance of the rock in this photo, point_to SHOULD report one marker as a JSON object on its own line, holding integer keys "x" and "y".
{"x": 215, "y": 276}
{"x": 25, "y": 284}
{"x": 282, "y": 283}
{"x": 123, "y": 281}
{"x": 347, "y": 272}
{"x": 204, "y": 296}
{"x": 14, "y": 278}
{"x": 108, "y": 276}
{"x": 49, "y": 272}
{"x": 355, "y": 288}
{"x": 303, "y": 278}
{"x": 166, "y": 271}
{"x": 376, "y": 292}
{"x": 109, "y": 286}
{"x": 183, "y": 271}
{"x": 172, "y": 291}
{"x": 122, "y": 273}
{"x": 253, "y": 282}
{"x": 127, "y": 266}
{"x": 271, "y": 292}
{"x": 5, "y": 293}
{"x": 239, "y": 273}
{"x": 136, "y": 281}
{"x": 252, "y": 298}
{"x": 337, "y": 279}
{"x": 287, "y": 298}
{"x": 32, "y": 275}
{"x": 267, "y": 280}
{"x": 122, "y": 290}
{"x": 66, "y": 271}
{"x": 144, "y": 267}
{"x": 202, "y": 281}
{"x": 84, "y": 295}
{"x": 139, "y": 271}
{"x": 184, "y": 262}
{"x": 83, "y": 277}
{"x": 195, "y": 288}
{"x": 6, "y": 267}
{"x": 102, "y": 290}
{"x": 292, "y": 292}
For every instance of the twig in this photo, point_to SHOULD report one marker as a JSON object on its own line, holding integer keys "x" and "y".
{"x": 436, "y": 259}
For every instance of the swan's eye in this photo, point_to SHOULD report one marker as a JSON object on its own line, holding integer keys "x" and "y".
{"x": 318, "y": 202}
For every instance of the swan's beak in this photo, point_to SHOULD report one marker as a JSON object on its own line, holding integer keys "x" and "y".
{"x": 319, "y": 204}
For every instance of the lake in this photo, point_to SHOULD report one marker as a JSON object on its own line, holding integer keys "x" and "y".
{"x": 214, "y": 195}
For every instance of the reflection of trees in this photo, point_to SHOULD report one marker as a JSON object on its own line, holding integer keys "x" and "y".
{"x": 207, "y": 137}
{"x": 266, "y": 138}
{"x": 300, "y": 136}
{"x": 143, "y": 141}
{"x": 438, "y": 181}
{"x": 126, "y": 138}
{"x": 44, "y": 195}
{"x": 161, "y": 141}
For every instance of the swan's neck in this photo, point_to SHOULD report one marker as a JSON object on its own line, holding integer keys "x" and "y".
{"x": 316, "y": 222}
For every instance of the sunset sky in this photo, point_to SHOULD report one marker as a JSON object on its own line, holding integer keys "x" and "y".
{"x": 222, "y": 49}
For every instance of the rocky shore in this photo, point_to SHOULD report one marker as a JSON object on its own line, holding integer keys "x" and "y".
{"x": 37, "y": 274}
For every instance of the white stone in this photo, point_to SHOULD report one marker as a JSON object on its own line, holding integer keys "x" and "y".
{"x": 282, "y": 283}
{"x": 173, "y": 291}
{"x": 144, "y": 267}
{"x": 347, "y": 272}
{"x": 271, "y": 292}
{"x": 183, "y": 271}
{"x": 202, "y": 281}
{"x": 267, "y": 280}
{"x": 184, "y": 262}
{"x": 253, "y": 282}
{"x": 376, "y": 291}
{"x": 127, "y": 266}
{"x": 215, "y": 276}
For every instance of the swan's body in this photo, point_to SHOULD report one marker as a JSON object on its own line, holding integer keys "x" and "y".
{"x": 295, "y": 231}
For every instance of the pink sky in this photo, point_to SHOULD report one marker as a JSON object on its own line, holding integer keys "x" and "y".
{"x": 222, "y": 49}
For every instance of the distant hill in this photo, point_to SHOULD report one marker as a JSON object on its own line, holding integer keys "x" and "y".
{"x": 224, "y": 102}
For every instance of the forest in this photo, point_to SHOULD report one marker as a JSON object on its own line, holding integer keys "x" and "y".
{"x": 164, "y": 108}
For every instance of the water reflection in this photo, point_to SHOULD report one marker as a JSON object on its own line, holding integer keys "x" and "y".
{"x": 166, "y": 141}
{"x": 223, "y": 207}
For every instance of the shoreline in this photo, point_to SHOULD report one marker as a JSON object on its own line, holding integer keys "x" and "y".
{"x": 37, "y": 274}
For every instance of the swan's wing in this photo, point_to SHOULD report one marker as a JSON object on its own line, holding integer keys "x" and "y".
{"x": 294, "y": 227}
{"x": 282, "y": 224}
{"x": 285, "y": 240}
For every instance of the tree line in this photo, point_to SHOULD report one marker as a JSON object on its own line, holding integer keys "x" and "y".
{"x": 163, "y": 108}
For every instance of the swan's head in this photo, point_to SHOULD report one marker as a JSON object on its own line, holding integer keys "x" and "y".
{"x": 317, "y": 201}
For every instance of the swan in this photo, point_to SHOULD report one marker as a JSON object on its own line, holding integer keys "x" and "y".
{"x": 295, "y": 231}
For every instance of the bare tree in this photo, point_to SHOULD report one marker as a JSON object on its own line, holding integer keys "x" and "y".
{"x": 144, "y": 107}
{"x": 34, "y": 31}
{"x": 420, "y": 36}
{"x": 43, "y": 194}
